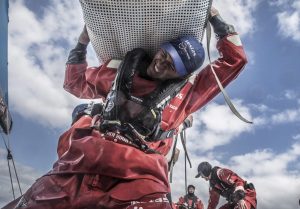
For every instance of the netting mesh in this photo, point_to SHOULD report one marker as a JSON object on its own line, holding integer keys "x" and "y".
{"x": 117, "y": 26}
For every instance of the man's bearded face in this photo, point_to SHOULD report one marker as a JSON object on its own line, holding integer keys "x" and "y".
{"x": 191, "y": 190}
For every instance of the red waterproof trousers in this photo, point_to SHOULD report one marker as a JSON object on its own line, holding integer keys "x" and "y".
{"x": 93, "y": 172}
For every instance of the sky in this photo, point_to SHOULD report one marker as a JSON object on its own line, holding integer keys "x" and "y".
{"x": 267, "y": 153}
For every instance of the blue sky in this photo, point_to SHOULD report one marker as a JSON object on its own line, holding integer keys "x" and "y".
{"x": 267, "y": 91}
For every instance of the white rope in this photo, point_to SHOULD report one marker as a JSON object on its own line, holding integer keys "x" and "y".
{"x": 225, "y": 95}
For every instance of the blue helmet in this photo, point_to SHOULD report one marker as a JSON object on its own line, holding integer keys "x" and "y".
{"x": 187, "y": 54}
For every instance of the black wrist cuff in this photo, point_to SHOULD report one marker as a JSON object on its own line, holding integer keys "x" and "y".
{"x": 221, "y": 28}
{"x": 78, "y": 54}
{"x": 80, "y": 46}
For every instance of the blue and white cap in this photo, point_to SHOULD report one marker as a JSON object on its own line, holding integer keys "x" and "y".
{"x": 187, "y": 54}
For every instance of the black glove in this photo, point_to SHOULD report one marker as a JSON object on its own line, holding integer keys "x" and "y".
{"x": 237, "y": 196}
{"x": 221, "y": 28}
{"x": 91, "y": 109}
{"x": 78, "y": 54}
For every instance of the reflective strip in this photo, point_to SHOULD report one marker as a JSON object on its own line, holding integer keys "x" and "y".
{"x": 114, "y": 64}
{"x": 192, "y": 79}
{"x": 153, "y": 113}
{"x": 235, "y": 39}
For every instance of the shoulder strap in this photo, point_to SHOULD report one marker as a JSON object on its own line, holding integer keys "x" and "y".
{"x": 136, "y": 60}
{"x": 164, "y": 93}
{"x": 215, "y": 180}
{"x": 194, "y": 201}
{"x": 171, "y": 165}
{"x": 133, "y": 61}
{"x": 214, "y": 177}
{"x": 123, "y": 82}
{"x": 186, "y": 199}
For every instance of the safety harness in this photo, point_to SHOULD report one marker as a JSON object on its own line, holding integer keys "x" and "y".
{"x": 221, "y": 187}
{"x": 137, "y": 118}
{"x": 194, "y": 200}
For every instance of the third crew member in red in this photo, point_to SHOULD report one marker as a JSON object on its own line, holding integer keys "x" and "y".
{"x": 223, "y": 182}
{"x": 190, "y": 200}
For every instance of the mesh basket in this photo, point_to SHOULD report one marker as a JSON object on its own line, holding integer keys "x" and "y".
{"x": 117, "y": 26}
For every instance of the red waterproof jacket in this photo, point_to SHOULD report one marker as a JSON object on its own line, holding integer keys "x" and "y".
{"x": 189, "y": 203}
{"x": 228, "y": 179}
{"x": 86, "y": 152}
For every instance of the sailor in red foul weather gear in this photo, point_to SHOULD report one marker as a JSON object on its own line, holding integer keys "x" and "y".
{"x": 190, "y": 200}
{"x": 116, "y": 158}
{"x": 223, "y": 182}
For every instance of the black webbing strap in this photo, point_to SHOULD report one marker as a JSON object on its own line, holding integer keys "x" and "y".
{"x": 169, "y": 197}
{"x": 194, "y": 200}
{"x": 225, "y": 95}
{"x": 183, "y": 141}
{"x": 186, "y": 156}
{"x": 185, "y": 174}
{"x": 172, "y": 158}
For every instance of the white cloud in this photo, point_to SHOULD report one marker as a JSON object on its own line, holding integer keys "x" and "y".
{"x": 296, "y": 137}
{"x": 259, "y": 107}
{"x": 27, "y": 176}
{"x": 288, "y": 18}
{"x": 290, "y": 94}
{"x": 272, "y": 116}
{"x": 287, "y": 116}
{"x": 239, "y": 13}
{"x": 289, "y": 24}
{"x": 269, "y": 171}
{"x": 216, "y": 125}
{"x": 279, "y": 2}
{"x": 38, "y": 48}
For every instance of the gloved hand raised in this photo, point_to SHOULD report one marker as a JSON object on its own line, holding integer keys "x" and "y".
{"x": 78, "y": 54}
{"x": 221, "y": 28}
